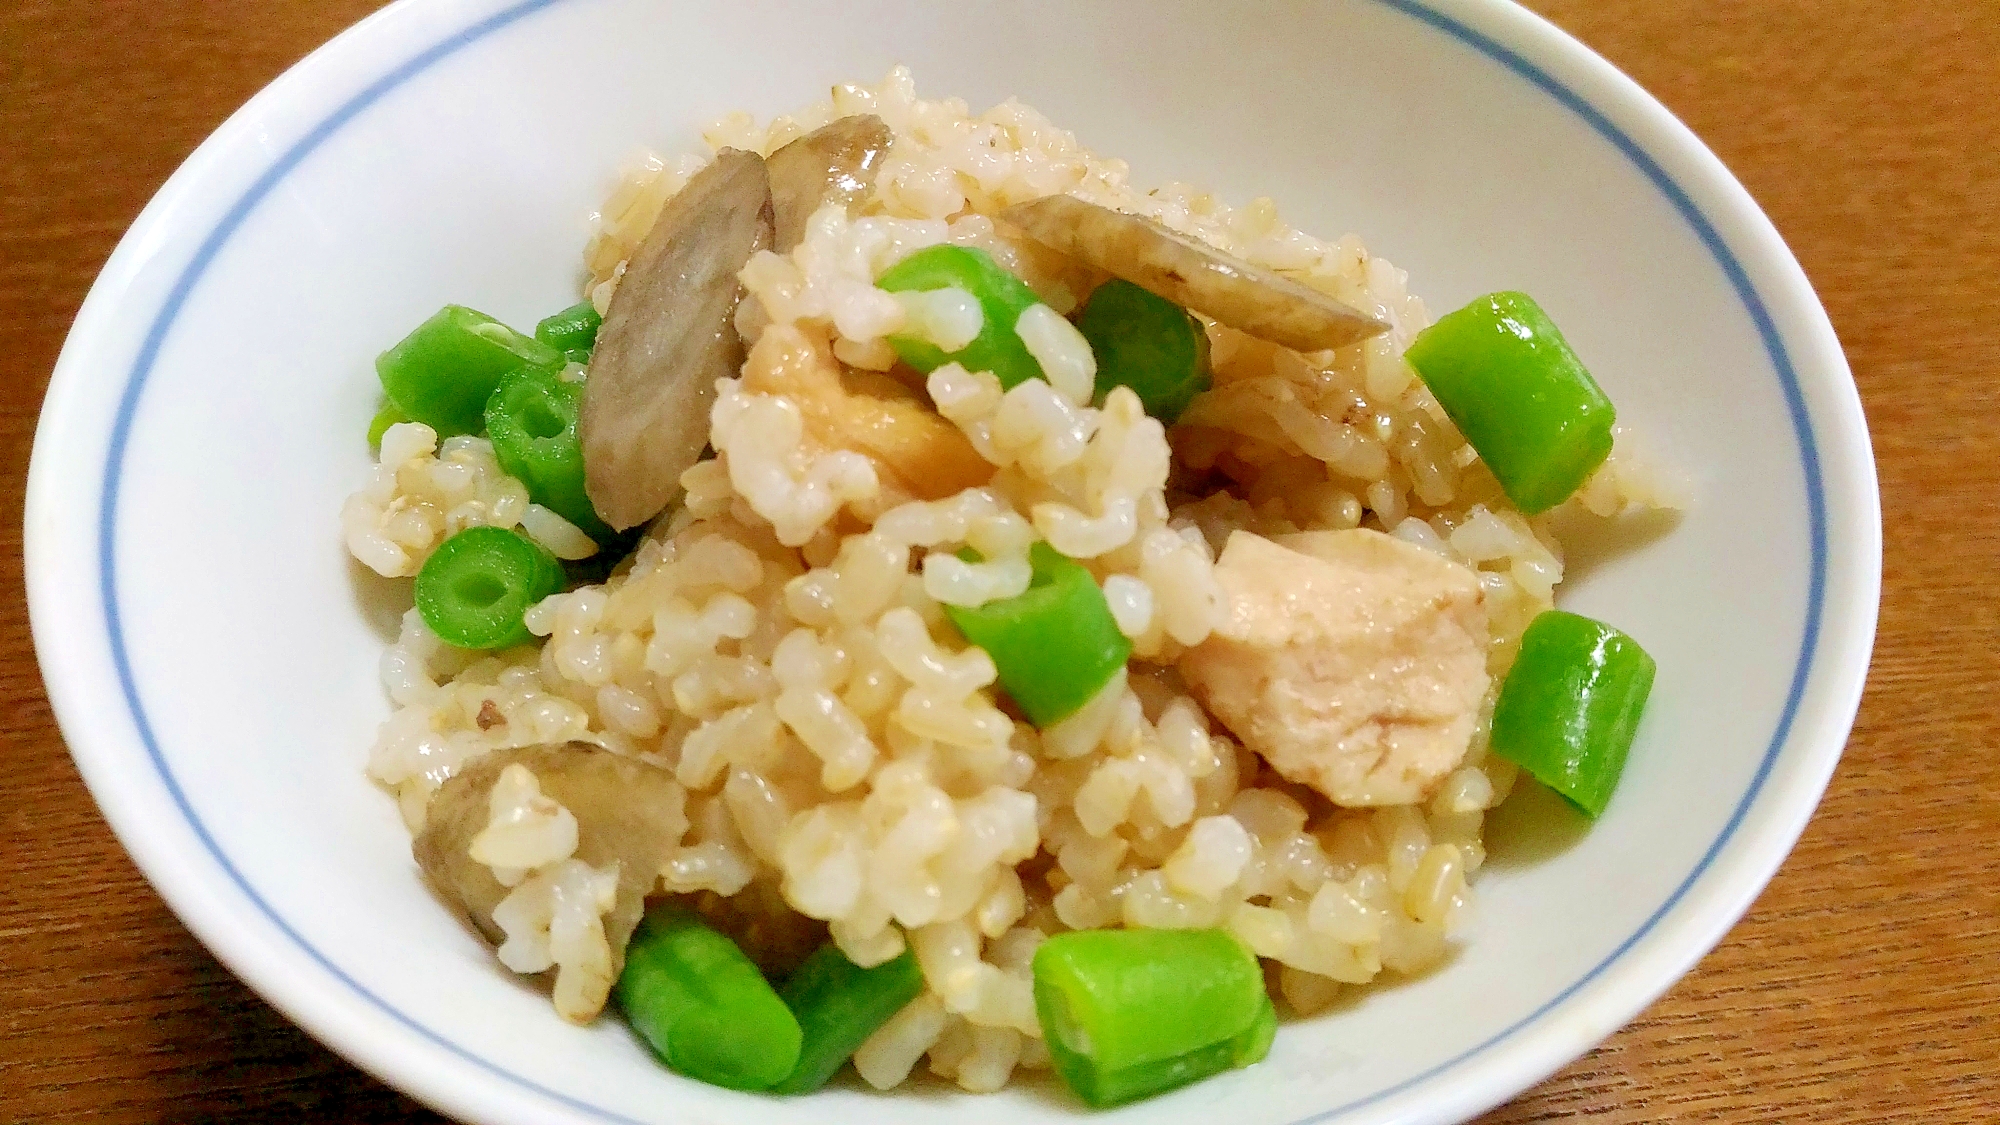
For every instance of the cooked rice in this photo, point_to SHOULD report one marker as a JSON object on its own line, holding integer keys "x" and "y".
{"x": 778, "y": 641}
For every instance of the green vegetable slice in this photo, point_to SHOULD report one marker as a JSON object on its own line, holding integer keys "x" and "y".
{"x": 379, "y": 425}
{"x": 1132, "y": 1013}
{"x": 1148, "y": 343}
{"x": 1571, "y": 704}
{"x": 572, "y": 331}
{"x": 703, "y": 1007}
{"x": 839, "y": 1005}
{"x": 442, "y": 373}
{"x": 1002, "y": 299}
{"x": 1054, "y": 644}
{"x": 1511, "y": 384}
{"x": 475, "y": 588}
{"x": 531, "y": 420}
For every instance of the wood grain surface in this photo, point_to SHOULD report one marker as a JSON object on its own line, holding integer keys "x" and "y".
{"x": 1864, "y": 986}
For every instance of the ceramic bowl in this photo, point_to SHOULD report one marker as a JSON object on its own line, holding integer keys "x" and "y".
{"x": 211, "y": 652}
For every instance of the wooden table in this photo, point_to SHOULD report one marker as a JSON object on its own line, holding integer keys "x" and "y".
{"x": 1863, "y": 987}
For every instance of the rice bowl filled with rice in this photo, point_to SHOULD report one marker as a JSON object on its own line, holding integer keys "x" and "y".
{"x": 926, "y": 646}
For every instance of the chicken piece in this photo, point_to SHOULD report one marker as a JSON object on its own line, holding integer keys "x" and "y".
{"x": 917, "y": 452}
{"x": 1349, "y": 660}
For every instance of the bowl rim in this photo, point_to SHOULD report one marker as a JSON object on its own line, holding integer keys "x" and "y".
{"x": 371, "y": 59}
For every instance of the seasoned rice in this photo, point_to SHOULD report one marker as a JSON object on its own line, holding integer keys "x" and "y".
{"x": 779, "y": 642}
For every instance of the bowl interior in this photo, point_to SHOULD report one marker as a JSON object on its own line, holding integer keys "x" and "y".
{"x": 419, "y": 162}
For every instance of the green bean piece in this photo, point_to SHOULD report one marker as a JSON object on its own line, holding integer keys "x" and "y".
{"x": 839, "y": 1005}
{"x": 702, "y": 1006}
{"x": 442, "y": 373}
{"x": 1570, "y": 706}
{"x": 531, "y": 420}
{"x": 1511, "y": 384}
{"x": 1255, "y": 1042}
{"x": 573, "y": 331}
{"x": 1055, "y": 644}
{"x": 475, "y": 588}
{"x": 1132, "y": 1013}
{"x": 1002, "y": 299}
{"x": 1148, "y": 343}
{"x": 384, "y": 418}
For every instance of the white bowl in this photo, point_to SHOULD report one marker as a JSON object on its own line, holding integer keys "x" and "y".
{"x": 213, "y": 660}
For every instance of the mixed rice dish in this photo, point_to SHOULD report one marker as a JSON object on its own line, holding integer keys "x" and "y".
{"x": 936, "y": 605}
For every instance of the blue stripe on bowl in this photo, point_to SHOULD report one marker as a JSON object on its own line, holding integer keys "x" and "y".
{"x": 233, "y": 220}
